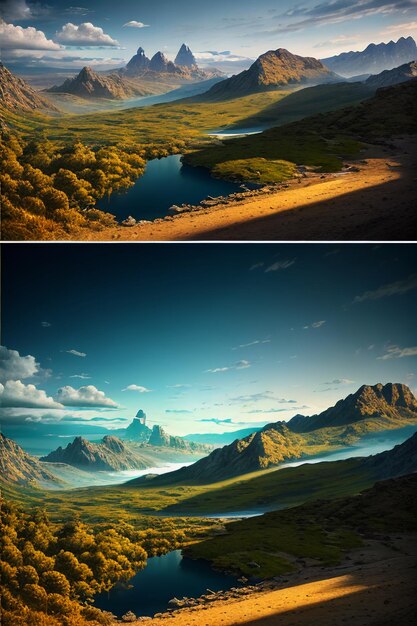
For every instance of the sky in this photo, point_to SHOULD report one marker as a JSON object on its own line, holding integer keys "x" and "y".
{"x": 203, "y": 338}
{"x": 104, "y": 34}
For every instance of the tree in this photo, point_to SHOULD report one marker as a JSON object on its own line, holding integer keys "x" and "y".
{"x": 27, "y": 575}
{"x": 55, "y": 582}
{"x": 35, "y": 596}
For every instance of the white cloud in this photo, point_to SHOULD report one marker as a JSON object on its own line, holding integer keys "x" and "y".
{"x": 256, "y": 266}
{"x": 395, "y": 352}
{"x": 252, "y": 343}
{"x": 135, "y": 24}
{"x": 399, "y": 287}
{"x": 280, "y": 265}
{"x": 239, "y": 365}
{"x": 339, "y": 381}
{"x": 15, "y": 367}
{"x": 138, "y": 388}
{"x": 315, "y": 324}
{"x": 17, "y": 37}
{"x": 76, "y": 353}
{"x": 46, "y": 324}
{"x": 82, "y": 376}
{"x": 400, "y": 29}
{"x": 85, "y": 34}
{"x": 84, "y": 396}
{"x": 15, "y": 394}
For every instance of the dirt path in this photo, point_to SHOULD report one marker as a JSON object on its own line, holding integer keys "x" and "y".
{"x": 375, "y": 203}
{"x": 376, "y": 593}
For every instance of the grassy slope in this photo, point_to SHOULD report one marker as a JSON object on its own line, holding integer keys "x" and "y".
{"x": 308, "y": 101}
{"x": 322, "y": 141}
{"x": 321, "y": 530}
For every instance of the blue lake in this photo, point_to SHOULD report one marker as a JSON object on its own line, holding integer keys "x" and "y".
{"x": 163, "y": 578}
{"x": 165, "y": 182}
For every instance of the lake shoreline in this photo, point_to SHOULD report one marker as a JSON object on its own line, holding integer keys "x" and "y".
{"x": 362, "y": 204}
{"x": 373, "y": 584}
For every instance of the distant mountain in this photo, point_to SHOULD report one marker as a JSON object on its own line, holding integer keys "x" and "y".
{"x": 272, "y": 445}
{"x": 374, "y": 59}
{"x": 401, "y": 74}
{"x": 138, "y": 63}
{"x": 390, "y": 402}
{"x": 401, "y": 460}
{"x": 90, "y": 84}
{"x": 185, "y": 57}
{"x": 160, "y": 438}
{"x": 275, "y": 68}
{"x": 17, "y": 95}
{"x": 137, "y": 429}
{"x": 160, "y": 68}
{"x": 222, "y": 438}
{"x": 19, "y": 467}
{"x": 111, "y": 454}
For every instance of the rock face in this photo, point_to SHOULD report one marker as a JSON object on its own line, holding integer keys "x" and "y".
{"x": 111, "y": 454}
{"x": 19, "y": 467}
{"x": 401, "y": 74}
{"x": 137, "y": 429}
{"x": 138, "y": 63}
{"x": 160, "y": 64}
{"x": 272, "y": 445}
{"x": 161, "y": 439}
{"x": 374, "y": 59}
{"x": 17, "y": 95}
{"x": 392, "y": 401}
{"x": 185, "y": 57}
{"x": 276, "y": 68}
{"x": 90, "y": 84}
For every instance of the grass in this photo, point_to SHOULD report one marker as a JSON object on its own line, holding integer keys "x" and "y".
{"x": 322, "y": 530}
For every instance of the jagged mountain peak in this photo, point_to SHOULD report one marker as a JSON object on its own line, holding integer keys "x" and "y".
{"x": 16, "y": 94}
{"x": 185, "y": 57}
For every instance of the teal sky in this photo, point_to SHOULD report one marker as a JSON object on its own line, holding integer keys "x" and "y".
{"x": 105, "y": 34}
{"x": 204, "y": 338}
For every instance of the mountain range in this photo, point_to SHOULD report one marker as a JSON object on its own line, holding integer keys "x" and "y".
{"x": 374, "y": 59}
{"x": 17, "y": 95}
{"x": 273, "y": 69}
{"x": 387, "y": 78}
{"x": 19, "y": 467}
{"x": 370, "y": 409}
{"x": 111, "y": 454}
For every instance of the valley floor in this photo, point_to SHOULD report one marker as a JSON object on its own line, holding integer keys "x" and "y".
{"x": 375, "y": 203}
{"x": 376, "y": 586}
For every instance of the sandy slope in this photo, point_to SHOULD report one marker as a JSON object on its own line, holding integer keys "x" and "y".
{"x": 376, "y": 203}
{"x": 377, "y": 588}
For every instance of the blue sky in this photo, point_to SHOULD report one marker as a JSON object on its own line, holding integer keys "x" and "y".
{"x": 105, "y": 34}
{"x": 204, "y": 338}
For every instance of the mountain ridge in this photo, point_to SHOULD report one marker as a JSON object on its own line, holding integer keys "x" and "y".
{"x": 374, "y": 59}
{"x": 17, "y": 466}
{"x": 17, "y": 94}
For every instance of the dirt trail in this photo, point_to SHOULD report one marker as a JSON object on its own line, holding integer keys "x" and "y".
{"x": 377, "y": 593}
{"x": 375, "y": 203}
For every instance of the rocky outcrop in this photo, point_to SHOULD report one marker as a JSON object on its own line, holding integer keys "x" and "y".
{"x": 111, "y": 454}
{"x": 90, "y": 84}
{"x": 275, "y": 68}
{"x": 185, "y": 57}
{"x": 374, "y": 59}
{"x": 161, "y": 439}
{"x": 392, "y": 401}
{"x": 138, "y": 63}
{"x": 160, "y": 64}
{"x": 19, "y": 467}
{"x": 137, "y": 429}
{"x": 17, "y": 95}
{"x": 401, "y": 74}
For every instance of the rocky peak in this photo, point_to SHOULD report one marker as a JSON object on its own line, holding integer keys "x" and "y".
{"x": 87, "y": 74}
{"x": 159, "y": 437}
{"x": 185, "y": 57}
{"x": 16, "y": 94}
{"x": 16, "y": 466}
{"x": 160, "y": 63}
{"x": 138, "y": 63}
